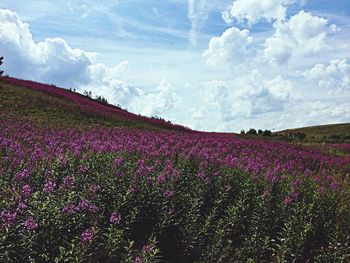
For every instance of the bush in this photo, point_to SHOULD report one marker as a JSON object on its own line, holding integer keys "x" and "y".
{"x": 252, "y": 132}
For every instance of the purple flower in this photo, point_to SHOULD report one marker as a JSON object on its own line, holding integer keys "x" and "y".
{"x": 161, "y": 178}
{"x": 84, "y": 205}
{"x": 93, "y": 208}
{"x": 30, "y": 224}
{"x": 68, "y": 209}
{"x": 21, "y": 206}
{"x": 87, "y": 235}
{"x": 147, "y": 248}
{"x": 8, "y": 217}
{"x": 288, "y": 200}
{"x": 49, "y": 186}
{"x": 118, "y": 161}
{"x": 94, "y": 188}
{"x": 22, "y": 175}
{"x": 26, "y": 190}
{"x": 115, "y": 218}
{"x": 138, "y": 260}
{"x": 68, "y": 182}
{"x": 334, "y": 186}
{"x": 83, "y": 169}
{"x": 168, "y": 193}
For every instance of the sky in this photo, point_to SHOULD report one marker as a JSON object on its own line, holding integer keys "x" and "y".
{"x": 212, "y": 65}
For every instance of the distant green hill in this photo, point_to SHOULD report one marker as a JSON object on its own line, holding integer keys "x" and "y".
{"x": 328, "y": 133}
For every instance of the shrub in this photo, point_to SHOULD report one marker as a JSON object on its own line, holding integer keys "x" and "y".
{"x": 252, "y": 132}
{"x": 267, "y": 133}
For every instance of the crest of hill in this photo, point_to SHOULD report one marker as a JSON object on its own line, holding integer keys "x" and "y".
{"x": 45, "y": 103}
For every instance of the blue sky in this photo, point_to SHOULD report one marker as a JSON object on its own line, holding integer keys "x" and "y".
{"x": 219, "y": 65}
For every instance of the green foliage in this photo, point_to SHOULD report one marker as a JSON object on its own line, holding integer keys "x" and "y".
{"x": 267, "y": 133}
{"x": 252, "y": 131}
{"x": 200, "y": 223}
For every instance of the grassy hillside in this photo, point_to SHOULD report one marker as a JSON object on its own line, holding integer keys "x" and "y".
{"x": 321, "y": 133}
{"x": 82, "y": 181}
{"x": 48, "y": 104}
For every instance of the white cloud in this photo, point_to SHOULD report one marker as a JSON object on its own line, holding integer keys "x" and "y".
{"x": 51, "y": 60}
{"x": 253, "y": 11}
{"x": 332, "y": 77}
{"x": 302, "y": 35}
{"x": 198, "y": 13}
{"x": 201, "y": 114}
{"x": 234, "y": 46}
{"x": 54, "y": 61}
{"x": 249, "y": 95}
{"x": 156, "y": 103}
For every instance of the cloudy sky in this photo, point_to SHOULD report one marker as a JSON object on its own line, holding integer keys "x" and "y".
{"x": 215, "y": 65}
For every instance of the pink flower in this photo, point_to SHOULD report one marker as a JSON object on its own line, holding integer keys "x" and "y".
{"x": 30, "y": 224}
{"x": 49, "y": 186}
{"x": 69, "y": 209}
{"x": 68, "y": 182}
{"x": 115, "y": 218}
{"x": 26, "y": 190}
{"x": 118, "y": 161}
{"x": 168, "y": 193}
{"x": 87, "y": 235}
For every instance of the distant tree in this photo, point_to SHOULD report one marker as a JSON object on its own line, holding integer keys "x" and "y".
{"x": 242, "y": 132}
{"x": 88, "y": 94}
{"x": 260, "y": 132}
{"x": 267, "y": 133}
{"x": 1, "y": 61}
{"x": 101, "y": 99}
{"x": 252, "y": 132}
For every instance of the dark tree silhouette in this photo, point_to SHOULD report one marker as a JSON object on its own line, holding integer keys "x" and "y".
{"x": 1, "y": 61}
{"x": 252, "y": 132}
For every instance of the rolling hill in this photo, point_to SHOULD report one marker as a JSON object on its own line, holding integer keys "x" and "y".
{"x": 50, "y": 104}
{"x": 322, "y": 133}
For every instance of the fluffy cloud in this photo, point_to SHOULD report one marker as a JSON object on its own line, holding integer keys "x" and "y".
{"x": 302, "y": 35}
{"x": 51, "y": 60}
{"x": 253, "y": 11}
{"x": 250, "y": 95}
{"x": 234, "y": 46}
{"x": 155, "y": 103}
{"x": 332, "y": 77}
{"x": 54, "y": 61}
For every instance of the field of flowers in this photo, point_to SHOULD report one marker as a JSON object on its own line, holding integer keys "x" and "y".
{"x": 78, "y": 185}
